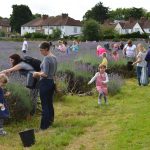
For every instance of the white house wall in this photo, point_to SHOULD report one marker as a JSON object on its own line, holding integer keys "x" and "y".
{"x": 27, "y": 30}
{"x": 118, "y": 28}
{"x": 137, "y": 28}
{"x": 70, "y": 30}
{"x": 147, "y": 30}
{"x": 66, "y": 30}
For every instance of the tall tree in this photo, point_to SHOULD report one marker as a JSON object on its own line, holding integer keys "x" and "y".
{"x": 36, "y": 16}
{"x": 98, "y": 13}
{"x": 21, "y": 14}
{"x": 91, "y": 30}
{"x": 126, "y": 13}
{"x": 137, "y": 13}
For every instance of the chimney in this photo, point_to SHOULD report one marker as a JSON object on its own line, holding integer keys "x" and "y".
{"x": 64, "y": 15}
{"x": 45, "y": 17}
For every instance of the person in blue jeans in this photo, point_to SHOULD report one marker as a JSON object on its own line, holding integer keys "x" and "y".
{"x": 140, "y": 62}
{"x": 47, "y": 85}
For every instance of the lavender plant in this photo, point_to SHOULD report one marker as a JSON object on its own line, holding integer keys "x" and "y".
{"x": 115, "y": 83}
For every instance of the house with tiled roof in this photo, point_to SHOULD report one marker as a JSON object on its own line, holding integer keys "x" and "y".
{"x": 5, "y": 26}
{"x": 45, "y": 25}
{"x": 130, "y": 26}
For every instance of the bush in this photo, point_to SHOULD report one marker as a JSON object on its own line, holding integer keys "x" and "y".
{"x": 2, "y": 34}
{"x": 56, "y": 33}
{"x": 19, "y": 101}
{"x": 91, "y": 30}
{"x": 38, "y": 35}
{"x": 115, "y": 83}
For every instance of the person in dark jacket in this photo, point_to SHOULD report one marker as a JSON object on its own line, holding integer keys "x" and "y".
{"x": 147, "y": 58}
{"x": 3, "y": 106}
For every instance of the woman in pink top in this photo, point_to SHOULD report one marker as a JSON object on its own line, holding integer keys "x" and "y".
{"x": 101, "y": 78}
{"x": 100, "y": 50}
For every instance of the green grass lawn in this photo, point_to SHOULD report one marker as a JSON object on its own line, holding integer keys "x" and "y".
{"x": 80, "y": 124}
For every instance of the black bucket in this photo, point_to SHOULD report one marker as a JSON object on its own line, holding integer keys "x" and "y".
{"x": 130, "y": 66}
{"x": 27, "y": 137}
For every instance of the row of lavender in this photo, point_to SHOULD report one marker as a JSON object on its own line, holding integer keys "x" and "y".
{"x": 74, "y": 69}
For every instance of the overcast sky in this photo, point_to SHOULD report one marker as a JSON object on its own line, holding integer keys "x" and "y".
{"x": 75, "y": 8}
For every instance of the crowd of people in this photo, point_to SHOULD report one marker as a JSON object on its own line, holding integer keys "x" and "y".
{"x": 45, "y": 85}
{"x": 65, "y": 48}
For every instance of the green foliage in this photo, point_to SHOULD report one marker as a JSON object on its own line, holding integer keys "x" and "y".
{"x": 38, "y": 35}
{"x": 19, "y": 101}
{"x": 2, "y": 34}
{"x": 91, "y": 30}
{"x": 28, "y": 35}
{"x": 21, "y": 14}
{"x": 34, "y": 16}
{"x": 126, "y": 13}
{"x": 56, "y": 33}
{"x": 108, "y": 32}
{"x": 98, "y": 13}
{"x": 134, "y": 35}
{"x": 137, "y": 13}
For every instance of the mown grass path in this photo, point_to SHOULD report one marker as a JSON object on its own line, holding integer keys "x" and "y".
{"x": 82, "y": 125}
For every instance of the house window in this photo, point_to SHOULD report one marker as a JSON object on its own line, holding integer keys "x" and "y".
{"x": 75, "y": 29}
{"x": 0, "y": 27}
{"x": 149, "y": 30}
{"x": 23, "y": 28}
{"x": 51, "y": 28}
{"x": 32, "y": 28}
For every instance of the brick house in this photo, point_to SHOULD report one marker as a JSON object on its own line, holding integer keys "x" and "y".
{"x": 130, "y": 26}
{"x": 45, "y": 25}
{"x": 5, "y": 26}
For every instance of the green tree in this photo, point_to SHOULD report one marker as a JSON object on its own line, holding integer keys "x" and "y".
{"x": 108, "y": 32}
{"x": 126, "y": 13}
{"x": 56, "y": 33}
{"x": 36, "y": 16}
{"x": 21, "y": 14}
{"x": 91, "y": 30}
{"x": 137, "y": 13}
{"x": 147, "y": 15}
{"x": 98, "y": 13}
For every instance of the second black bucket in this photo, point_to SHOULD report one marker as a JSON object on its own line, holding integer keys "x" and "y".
{"x": 27, "y": 137}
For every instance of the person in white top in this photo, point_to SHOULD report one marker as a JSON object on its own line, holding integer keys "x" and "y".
{"x": 140, "y": 61}
{"x": 129, "y": 51}
{"x": 25, "y": 46}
